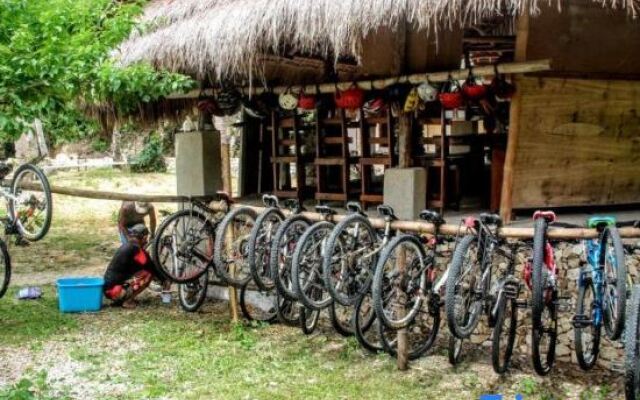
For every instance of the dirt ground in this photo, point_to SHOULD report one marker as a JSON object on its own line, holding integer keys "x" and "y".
{"x": 158, "y": 351}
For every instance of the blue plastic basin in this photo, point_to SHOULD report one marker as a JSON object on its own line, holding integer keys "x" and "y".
{"x": 80, "y": 294}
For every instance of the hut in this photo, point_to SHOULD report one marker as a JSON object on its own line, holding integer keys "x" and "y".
{"x": 568, "y": 136}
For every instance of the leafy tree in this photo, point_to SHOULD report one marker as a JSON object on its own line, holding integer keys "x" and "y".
{"x": 55, "y": 60}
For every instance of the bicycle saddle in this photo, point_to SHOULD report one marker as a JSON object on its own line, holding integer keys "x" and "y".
{"x": 293, "y": 205}
{"x": 325, "y": 210}
{"x": 601, "y": 222}
{"x": 354, "y": 207}
{"x": 270, "y": 200}
{"x": 491, "y": 219}
{"x": 386, "y": 211}
{"x": 549, "y": 216}
{"x": 431, "y": 216}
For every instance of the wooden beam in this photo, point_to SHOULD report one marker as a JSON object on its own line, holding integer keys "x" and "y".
{"x": 506, "y": 198}
{"x": 443, "y": 76}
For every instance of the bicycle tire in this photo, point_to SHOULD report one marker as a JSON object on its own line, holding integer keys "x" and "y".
{"x": 379, "y": 280}
{"x": 416, "y": 348}
{"x": 162, "y": 240}
{"x": 614, "y": 326}
{"x": 259, "y": 263}
{"x": 282, "y": 272}
{"x": 472, "y": 316}
{"x": 242, "y": 274}
{"x": 358, "y": 289}
{"x": 198, "y": 286}
{"x": 252, "y": 313}
{"x": 309, "y": 320}
{"x": 454, "y": 350}
{"x": 297, "y": 266}
{"x": 5, "y": 274}
{"x": 537, "y": 285}
{"x": 586, "y": 360}
{"x": 288, "y": 311}
{"x": 543, "y": 361}
{"x": 507, "y": 313}
{"x": 345, "y": 327}
{"x": 47, "y": 194}
{"x": 631, "y": 347}
{"x": 366, "y": 325}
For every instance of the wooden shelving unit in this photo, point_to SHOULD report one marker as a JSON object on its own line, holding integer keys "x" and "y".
{"x": 383, "y": 125}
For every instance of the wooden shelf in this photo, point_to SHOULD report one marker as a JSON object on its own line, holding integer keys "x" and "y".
{"x": 335, "y": 140}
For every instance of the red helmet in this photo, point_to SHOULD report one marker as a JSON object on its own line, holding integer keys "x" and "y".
{"x": 451, "y": 97}
{"x": 351, "y": 99}
{"x": 306, "y": 101}
{"x": 472, "y": 89}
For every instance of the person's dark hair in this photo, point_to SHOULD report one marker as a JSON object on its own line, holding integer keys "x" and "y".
{"x": 138, "y": 230}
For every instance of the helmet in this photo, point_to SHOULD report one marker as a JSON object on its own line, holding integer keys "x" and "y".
{"x": 473, "y": 90}
{"x": 306, "y": 101}
{"x": 374, "y": 106}
{"x": 208, "y": 106}
{"x": 397, "y": 92}
{"x": 427, "y": 92}
{"x": 411, "y": 103}
{"x": 287, "y": 101}
{"x": 228, "y": 101}
{"x": 450, "y": 97}
{"x": 351, "y": 98}
{"x": 501, "y": 88}
{"x": 138, "y": 230}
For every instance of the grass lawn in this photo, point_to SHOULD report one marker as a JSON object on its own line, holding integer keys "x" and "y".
{"x": 160, "y": 352}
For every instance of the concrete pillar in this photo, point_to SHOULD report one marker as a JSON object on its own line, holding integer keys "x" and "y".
{"x": 405, "y": 189}
{"x": 198, "y": 164}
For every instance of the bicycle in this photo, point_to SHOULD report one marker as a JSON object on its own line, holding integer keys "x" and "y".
{"x": 183, "y": 245}
{"x": 259, "y": 246}
{"x": 29, "y": 211}
{"x": 601, "y": 291}
{"x": 351, "y": 254}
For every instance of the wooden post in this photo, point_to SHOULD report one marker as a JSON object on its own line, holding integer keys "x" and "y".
{"x": 404, "y": 141}
{"x": 227, "y": 186}
{"x": 506, "y": 198}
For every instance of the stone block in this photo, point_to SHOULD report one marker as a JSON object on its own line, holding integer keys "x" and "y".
{"x": 405, "y": 189}
{"x": 198, "y": 163}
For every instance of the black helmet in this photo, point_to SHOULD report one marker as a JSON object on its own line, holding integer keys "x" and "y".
{"x": 228, "y": 101}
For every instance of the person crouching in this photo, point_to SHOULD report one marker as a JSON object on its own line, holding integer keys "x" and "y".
{"x": 130, "y": 270}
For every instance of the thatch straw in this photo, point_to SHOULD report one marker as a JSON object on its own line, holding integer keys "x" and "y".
{"x": 227, "y": 37}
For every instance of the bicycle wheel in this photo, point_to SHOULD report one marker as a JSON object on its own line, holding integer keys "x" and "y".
{"x": 309, "y": 320}
{"x": 288, "y": 311}
{"x": 183, "y": 246}
{"x": 366, "y": 325}
{"x": 306, "y": 267}
{"x": 400, "y": 281}
{"x": 503, "y": 336}
{"x": 587, "y": 335}
{"x": 631, "y": 347}
{"x": 192, "y": 294}
{"x": 454, "y": 350}
{"x": 342, "y": 319}
{"x": 545, "y": 335}
{"x": 612, "y": 261}
{"x": 231, "y": 246}
{"x": 350, "y": 258}
{"x": 539, "y": 276}
{"x": 260, "y": 246}
{"x": 421, "y": 334}
{"x": 5, "y": 268}
{"x": 282, "y": 248}
{"x": 260, "y": 306}
{"x": 31, "y": 206}
{"x": 462, "y": 304}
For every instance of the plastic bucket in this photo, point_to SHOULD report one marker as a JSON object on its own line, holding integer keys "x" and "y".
{"x": 81, "y": 294}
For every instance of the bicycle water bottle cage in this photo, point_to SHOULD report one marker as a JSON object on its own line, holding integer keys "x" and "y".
{"x": 600, "y": 222}
{"x": 491, "y": 219}
{"x": 386, "y": 212}
{"x": 431, "y": 216}
{"x": 549, "y": 216}
{"x": 270, "y": 200}
{"x": 354, "y": 207}
{"x": 325, "y": 211}
{"x": 470, "y": 222}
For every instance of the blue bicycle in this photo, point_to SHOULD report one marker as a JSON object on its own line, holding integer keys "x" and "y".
{"x": 602, "y": 291}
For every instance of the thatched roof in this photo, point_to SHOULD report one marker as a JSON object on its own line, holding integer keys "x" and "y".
{"x": 228, "y": 38}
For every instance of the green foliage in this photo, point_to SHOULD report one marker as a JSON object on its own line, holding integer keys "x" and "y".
{"x": 55, "y": 54}
{"x": 30, "y": 389}
{"x": 151, "y": 158}
{"x": 99, "y": 145}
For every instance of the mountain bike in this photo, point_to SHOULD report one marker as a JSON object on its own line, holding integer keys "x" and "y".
{"x": 184, "y": 242}
{"x": 259, "y": 246}
{"x": 601, "y": 291}
{"x": 351, "y": 254}
{"x": 29, "y": 211}
{"x": 468, "y": 288}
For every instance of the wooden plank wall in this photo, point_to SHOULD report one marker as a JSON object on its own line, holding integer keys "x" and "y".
{"x": 579, "y": 143}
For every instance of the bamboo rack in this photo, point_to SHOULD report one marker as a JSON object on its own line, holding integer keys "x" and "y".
{"x": 442, "y": 76}
{"x": 405, "y": 226}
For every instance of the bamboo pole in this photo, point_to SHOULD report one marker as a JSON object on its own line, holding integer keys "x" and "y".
{"x": 442, "y": 76}
{"x": 227, "y": 186}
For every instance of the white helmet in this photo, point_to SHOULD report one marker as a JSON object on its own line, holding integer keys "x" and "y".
{"x": 288, "y": 101}
{"x": 427, "y": 92}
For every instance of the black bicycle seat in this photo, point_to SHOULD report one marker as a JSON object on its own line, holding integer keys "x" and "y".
{"x": 431, "y": 216}
{"x": 270, "y": 200}
{"x": 325, "y": 210}
{"x": 386, "y": 211}
{"x": 293, "y": 205}
{"x": 491, "y": 219}
{"x": 354, "y": 207}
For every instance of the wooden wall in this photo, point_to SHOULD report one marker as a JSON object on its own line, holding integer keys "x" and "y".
{"x": 579, "y": 143}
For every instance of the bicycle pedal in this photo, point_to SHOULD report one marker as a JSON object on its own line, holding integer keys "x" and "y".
{"x": 523, "y": 303}
{"x": 581, "y": 321}
{"x": 563, "y": 304}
